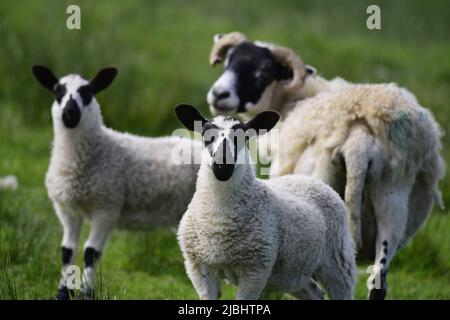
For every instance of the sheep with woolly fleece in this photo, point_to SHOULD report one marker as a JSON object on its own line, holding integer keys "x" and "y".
{"x": 276, "y": 234}
{"x": 373, "y": 143}
{"x": 113, "y": 179}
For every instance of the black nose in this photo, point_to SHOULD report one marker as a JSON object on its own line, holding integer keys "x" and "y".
{"x": 223, "y": 164}
{"x": 221, "y": 94}
{"x": 71, "y": 114}
{"x": 222, "y": 172}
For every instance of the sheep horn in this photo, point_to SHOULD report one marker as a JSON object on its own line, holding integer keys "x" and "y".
{"x": 289, "y": 58}
{"x": 223, "y": 43}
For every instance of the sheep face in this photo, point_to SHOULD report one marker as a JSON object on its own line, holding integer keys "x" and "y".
{"x": 224, "y": 138}
{"x": 248, "y": 81}
{"x": 75, "y": 105}
{"x": 72, "y": 98}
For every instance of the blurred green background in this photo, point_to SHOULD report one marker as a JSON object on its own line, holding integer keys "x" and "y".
{"x": 161, "y": 49}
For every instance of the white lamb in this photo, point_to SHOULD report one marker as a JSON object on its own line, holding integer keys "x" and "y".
{"x": 111, "y": 178}
{"x": 276, "y": 234}
{"x": 373, "y": 143}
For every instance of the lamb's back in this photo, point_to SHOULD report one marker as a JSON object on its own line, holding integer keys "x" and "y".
{"x": 155, "y": 183}
{"x": 122, "y": 171}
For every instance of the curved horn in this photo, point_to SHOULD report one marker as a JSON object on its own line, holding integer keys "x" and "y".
{"x": 222, "y": 44}
{"x": 289, "y": 58}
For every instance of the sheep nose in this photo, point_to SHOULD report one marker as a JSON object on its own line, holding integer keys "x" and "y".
{"x": 221, "y": 94}
{"x": 71, "y": 114}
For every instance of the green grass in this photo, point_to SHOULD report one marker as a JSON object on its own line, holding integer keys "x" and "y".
{"x": 161, "y": 49}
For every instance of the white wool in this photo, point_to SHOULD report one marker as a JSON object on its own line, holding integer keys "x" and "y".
{"x": 113, "y": 179}
{"x": 373, "y": 143}
{"x": 272, "y": 234}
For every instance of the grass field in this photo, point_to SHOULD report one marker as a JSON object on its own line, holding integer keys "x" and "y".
{"x": 161, "y": 48}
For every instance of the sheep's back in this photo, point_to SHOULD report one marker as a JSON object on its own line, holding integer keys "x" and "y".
{"x": 391, "y": 114}
{"x": 157, "y": 188}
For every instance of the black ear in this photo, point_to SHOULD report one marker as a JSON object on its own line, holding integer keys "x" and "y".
{"x": 103, "y": 79}
{"x": 45, "y": 76}
{"x": 265, "y": 120}
{"x": 187, "y": 115}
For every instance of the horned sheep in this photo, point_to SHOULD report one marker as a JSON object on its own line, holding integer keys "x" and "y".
{"x": 373, "y": 143}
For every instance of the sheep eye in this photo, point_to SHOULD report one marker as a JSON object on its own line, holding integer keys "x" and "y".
{"x": 86, "y": 94}
{"x": 209, "y": 140}
{"x": 59, "y": 90}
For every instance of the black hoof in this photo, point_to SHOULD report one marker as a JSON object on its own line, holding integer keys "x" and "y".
{"x": 377, "y": 294}
{"x": 64, "y": 294}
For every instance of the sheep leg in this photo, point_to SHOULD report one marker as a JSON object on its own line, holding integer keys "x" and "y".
{"x": 251, "y": 285}
{"x": 420, "y": 204}
{"x": 72, "y": 224}
{"x": 308, "y": 289}
{"x": 337, "y": 277}
{"x": 391, "y": 210}
{"x": 101, "y": 227}
{"x": 204, "y": 282}
{"x": 337, "y": 272}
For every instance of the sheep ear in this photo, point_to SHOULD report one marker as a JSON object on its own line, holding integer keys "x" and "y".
{"x": 103, "y": 79}
{"x": 45, "y": 76}
{"x": 190, "y": 117}
{"x": 262, "y": 123}
{"x": 310, "y": 70}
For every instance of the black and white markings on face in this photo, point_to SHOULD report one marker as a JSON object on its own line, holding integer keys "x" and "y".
{"x": 249, "y": 71}
{"x": 72, "y": 93}
{"x": 59, "y": 91}
{"x": 86, "y": 94}
{"x": 223, "y": 138}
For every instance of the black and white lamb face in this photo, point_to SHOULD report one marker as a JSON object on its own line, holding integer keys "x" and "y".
{"x": 224, "y": 138}
{"x": 247, "y": 83}
{"x": 75, "y": 104}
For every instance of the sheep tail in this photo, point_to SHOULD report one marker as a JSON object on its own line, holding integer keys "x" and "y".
{"x": 357, "y": 165}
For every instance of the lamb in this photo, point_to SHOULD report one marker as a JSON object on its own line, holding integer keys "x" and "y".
{"x": 373, "y": 143}
{"x": 113, "y": 179}
{"x": 276, "y": 234}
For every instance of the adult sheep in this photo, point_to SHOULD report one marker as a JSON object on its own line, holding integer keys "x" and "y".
{"x": 373, "y": 143}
